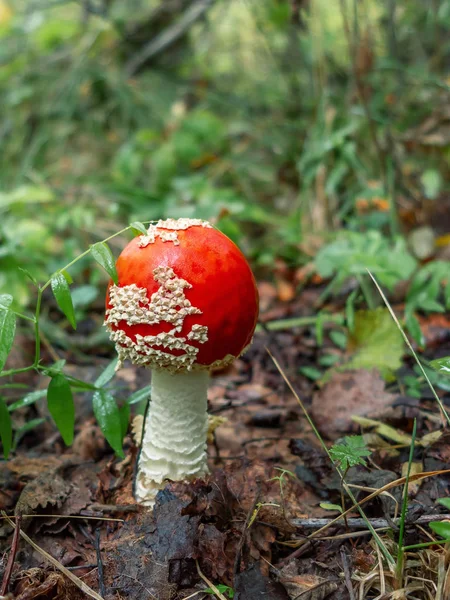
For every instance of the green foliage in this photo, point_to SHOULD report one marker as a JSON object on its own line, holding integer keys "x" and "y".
{"x": 350, "y": 453}
{"x": 353, "y": 253}
{"x": 103, "y": 255}
{"x": 441, "y": 365}
{"x": 375, "y": 342}
{"x": 7, "y": 332}
{"x": 442, "y": 528}
{"x": 61, "y": 291}
{"x": 107, "y": 414}
{"x": 226, "y": 590}
{"x": 61, "y": 407}
{"x": 275, "y": 150}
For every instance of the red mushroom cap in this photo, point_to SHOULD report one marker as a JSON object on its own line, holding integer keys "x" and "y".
{"x": 186, "y": 298}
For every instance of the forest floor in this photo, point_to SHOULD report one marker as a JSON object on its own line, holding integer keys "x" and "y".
{"x": 254, "y": 528}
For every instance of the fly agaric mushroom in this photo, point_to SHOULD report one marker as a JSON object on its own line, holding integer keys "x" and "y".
{"x": 186, "y": 302}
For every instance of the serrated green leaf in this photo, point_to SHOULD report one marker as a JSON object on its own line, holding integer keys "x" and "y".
{"x": 61, "y": 291}
{"x": 5, "y": 428}
{"x": 140, "y": 395}
{"x": 108, "y": 417}
{"x": 27, "y": 400}
{"x": 442, "y": 528}
{"x": 107, "y": 375}
{"x": 7, "y": 332}
{"x": 138, "y": 228}
{"x": 351, "y": 453}
{"x": 441, "y": 365}
{"x": 61, "y": 407}
{"x": 444, "y": 501}
{"x": 5, "y": 301}
{"x": 103, "y": 255}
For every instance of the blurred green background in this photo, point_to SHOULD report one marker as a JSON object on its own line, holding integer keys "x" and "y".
{"x": 282, "y": 121}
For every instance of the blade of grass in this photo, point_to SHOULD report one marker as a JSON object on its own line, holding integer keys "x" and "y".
{"x": 401, "y": 533}
{"x": 387, "y": 555}
{"x": 444, "y": 414}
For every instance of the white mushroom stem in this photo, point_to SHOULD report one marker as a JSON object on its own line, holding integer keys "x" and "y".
{"x": 174, "y": 440}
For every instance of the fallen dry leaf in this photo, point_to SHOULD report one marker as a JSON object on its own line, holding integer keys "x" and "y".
{"x": 357, "y": 392}
{"x": 305, "y": 586}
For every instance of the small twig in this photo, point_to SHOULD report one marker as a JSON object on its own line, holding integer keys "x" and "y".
{"x": 113, "y": 508}
{"x": 73, "y": 578}
{"x": 84, "y": 517}
{"x": 12, "y": 556}
{"x": 357, "y": 523}
{"x": 347, "y": 574}
{"x": 209, "y": 583}
{"x": 98, "y": 553}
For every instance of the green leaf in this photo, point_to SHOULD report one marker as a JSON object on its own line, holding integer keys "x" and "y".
{"x": 444, "y": 501}
{"x": 376, "y": 342}
{"x": 140, "y": 395}
{"x": 442, "y": 528}
{"x": 7, "y": 332}
{"x": 107, "y": 374}
{"x": 61, "y": 291}
{"x": 108, "y": 417}
{"x": 61, "y": 407}
{"x": 138, "y": 228}
{"x": 5, "y": 428}
{"x": 441, "y": 365}
{"x": 103, "y": 255}
{"x": 351, "y": 452}
{"x": 311, "y": 372}
{"x": 222, "y": 588}
{"x": 330, "y": 506}
{"x": 27, "y": 400}
{"x": 5, "y": 301}
{"x": 413, "y": 326}
{"x": 338, "y": 338}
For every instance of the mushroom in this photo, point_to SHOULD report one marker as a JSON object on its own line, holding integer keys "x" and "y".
{"x": 186, "y": 303}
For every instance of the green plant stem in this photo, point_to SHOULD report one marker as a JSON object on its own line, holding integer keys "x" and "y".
{"x": 300, "y": 322}
{"x": 85, "y": 253}
{"x": 14, "y": 371}
{"x": 426, "y": 544}
{"x": 22, "y": 316}
{"x": 343, "y": 497}
{"x": 401, "y": 533}
{"x": 37, "y": 349}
